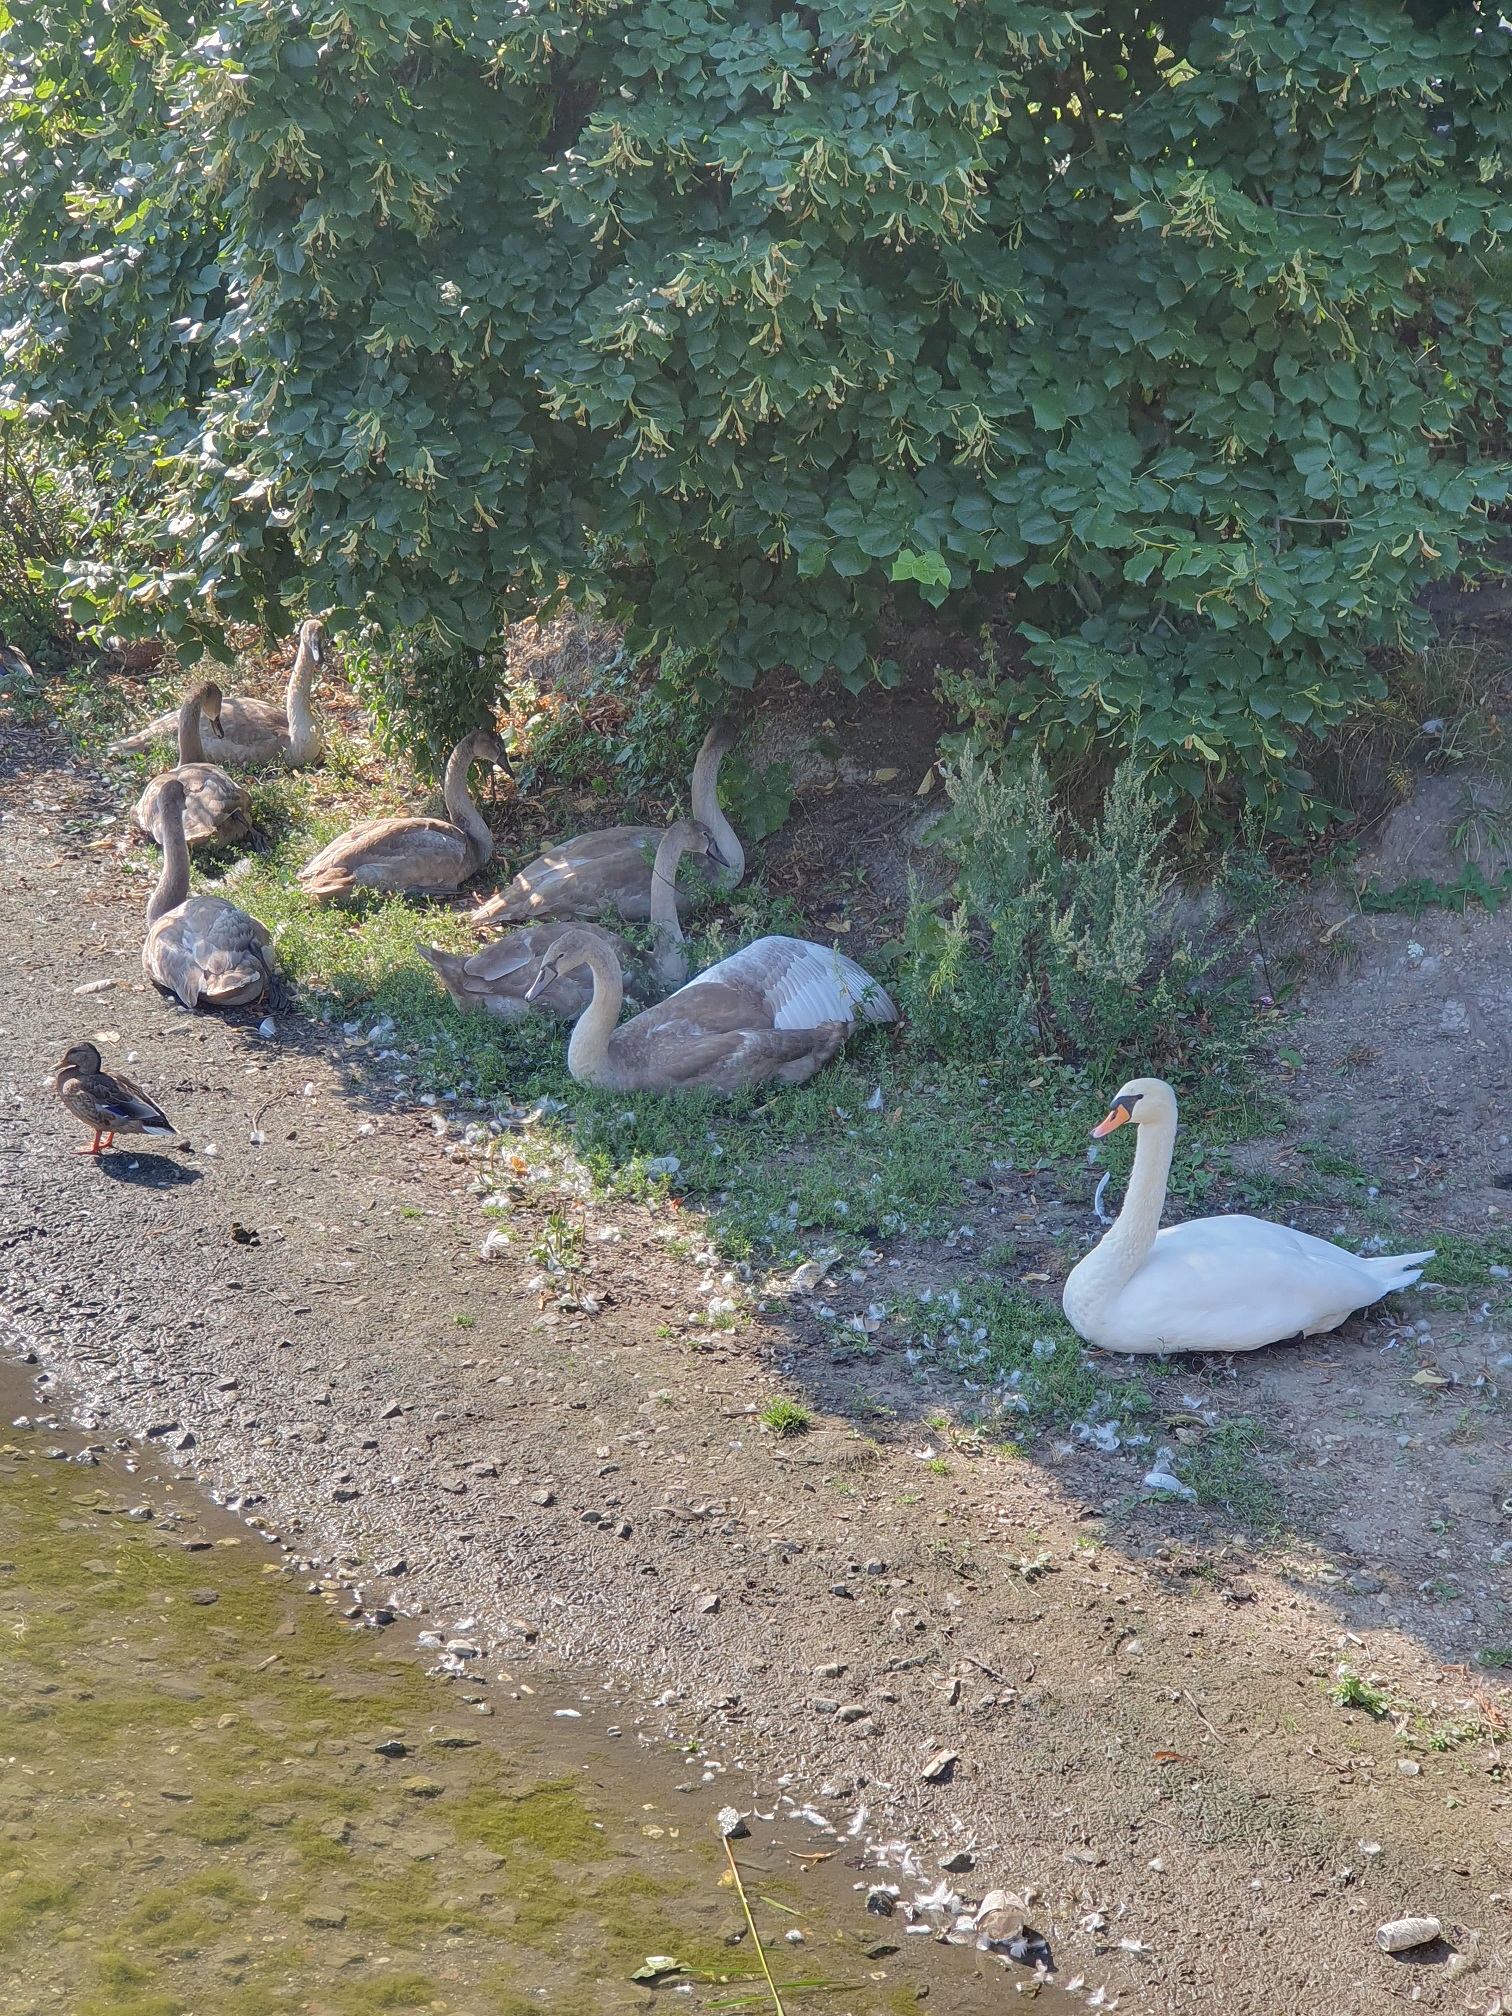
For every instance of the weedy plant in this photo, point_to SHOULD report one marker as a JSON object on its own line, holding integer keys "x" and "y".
{"x": 1062, "y": 941}
{"x": 785, "y": 1417}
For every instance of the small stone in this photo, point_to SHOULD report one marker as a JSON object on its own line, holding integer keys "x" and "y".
{"x": 184, "y": 1441}
{"x": 1401, "y": 1935}
{"x": 455, "y": 1485}
{"x": 343, "y": 1494}
{"x": 391, "y": 1747}
{"x": 875, "y": 1567}
{"x": 941, "y": 1767}
{"x": 833, "y": 1671}
{"x": 422, "y": 1788}
{"x": 839, "y": 1589}
{"x": 708, "y": 1605}
{"x": 325, "y": 1917}
{"x": 731, "y": 1825}
{"x": 959, "y": 1863}
{"x": 339, "y": 1831}
{"x": 623, "y": 1530}
{"x": 591, "y": 1518}
{"x": 1408, "y": 1768}
{"x": 204, "y": 1595}
{"x": 823, "y": 1706}
{"x": 195, "y": 1546}
{"x": 393, "y": 1412}
{"x": 543, "y": 1497}
{"x": 398, "y": 1566}
{"x": 881, "y": 1902}
{"x": 1364, "y": 1584}
{"x": 1239, "y": 1591}
{"x": 853, "y": 1711}
{"x": 522, "y": 1628}
{"x": 161, "y": 1428}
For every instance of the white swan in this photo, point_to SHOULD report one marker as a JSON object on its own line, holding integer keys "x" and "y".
{"x": 1212, "y": 1284}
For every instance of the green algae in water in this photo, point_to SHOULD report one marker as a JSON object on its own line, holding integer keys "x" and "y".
{"x": 195, "y": 1819}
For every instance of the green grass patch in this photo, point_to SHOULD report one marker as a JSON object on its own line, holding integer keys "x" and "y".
{"x": 1462, "y": 1261}
{"x": 785, "y": 1417}
{"x": 1223, "y": 1470}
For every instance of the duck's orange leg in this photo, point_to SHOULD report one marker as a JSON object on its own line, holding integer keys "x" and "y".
{"x": 93, "y": 1148}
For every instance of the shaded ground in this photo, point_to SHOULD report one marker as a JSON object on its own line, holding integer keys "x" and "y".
{"x": 1136, "y": 1695}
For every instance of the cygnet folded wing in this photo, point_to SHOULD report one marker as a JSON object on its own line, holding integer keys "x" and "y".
{"x": 800, "y": 984}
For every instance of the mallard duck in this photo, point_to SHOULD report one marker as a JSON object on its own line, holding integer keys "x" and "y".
{"x": 254, "y": 732}
{"x": 200, "y": 948}
{"x": 779, "y": 1008}
{"x": 1212, "y": 1284}
{"x": 412, "y": 857}
{"x": 217, "y": 810}
{"x": 105, "y": 1101}
{"x": 611, "y": 869}
{"x": 497, "y": 979}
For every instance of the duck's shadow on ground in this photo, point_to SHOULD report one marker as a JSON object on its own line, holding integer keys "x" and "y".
{"x": 147, "y": 1172}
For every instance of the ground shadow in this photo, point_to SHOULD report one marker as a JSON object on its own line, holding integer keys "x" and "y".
{"x": 146, "y": 1172}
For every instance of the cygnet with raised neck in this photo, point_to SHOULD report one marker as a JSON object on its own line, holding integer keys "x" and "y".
{"x": 497, "y": 980}
{"x": 201, "y": 949}
{"x": 780, "y": 1009}
{"x": 217, "y": 810}
{"x": 1212, "y": 1284}
{"x": 611, "y": 869}
{"x": 412, "y": 857}
{"x": 254, "y": 732}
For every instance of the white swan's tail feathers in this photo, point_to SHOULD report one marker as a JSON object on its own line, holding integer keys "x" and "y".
{"x": 1399, "y": 1270}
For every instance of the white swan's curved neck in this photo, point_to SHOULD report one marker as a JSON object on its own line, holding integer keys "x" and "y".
{"x": 1124, "y": 1249}
{"x": 706, "y": 809}
{"x": 459, "y": 802}
{"x": 173, "y": 883}
{"x": 667, "y": 951}
{"x": 304, "y": 734}
{"x": 588, "y": 1050}
{"x": 191, "y": 747}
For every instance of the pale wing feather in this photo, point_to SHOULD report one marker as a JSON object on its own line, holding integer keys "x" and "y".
{"x": 803, "y": 984}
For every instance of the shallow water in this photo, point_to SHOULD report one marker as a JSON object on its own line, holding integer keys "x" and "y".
{"x": 220, "y": 1796}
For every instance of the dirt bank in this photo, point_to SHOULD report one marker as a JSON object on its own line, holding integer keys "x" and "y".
{"x": 1132, "y": 1697}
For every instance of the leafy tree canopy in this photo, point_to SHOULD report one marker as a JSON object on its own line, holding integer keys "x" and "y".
{"x": 1180, "y": 336}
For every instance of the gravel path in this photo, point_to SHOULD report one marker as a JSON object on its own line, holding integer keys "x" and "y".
{"x": 298, "y": 1309}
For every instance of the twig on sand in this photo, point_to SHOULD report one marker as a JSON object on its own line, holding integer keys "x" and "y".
{"x": 1200, "y": 1716}
{"x": 751, "y": 1926}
